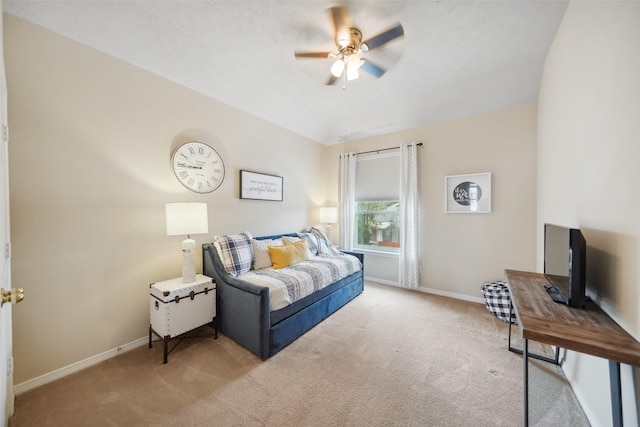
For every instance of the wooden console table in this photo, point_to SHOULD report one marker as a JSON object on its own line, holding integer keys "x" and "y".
{"x": 586, "y": 330}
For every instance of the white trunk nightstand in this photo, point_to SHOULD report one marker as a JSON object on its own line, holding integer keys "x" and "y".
{"x": 176, "y": 308}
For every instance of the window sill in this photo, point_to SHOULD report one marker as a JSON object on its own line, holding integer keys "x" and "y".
{"x": 377, "y": 253}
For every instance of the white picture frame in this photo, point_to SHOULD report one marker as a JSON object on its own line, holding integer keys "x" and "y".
{"x": 468, "y": 193}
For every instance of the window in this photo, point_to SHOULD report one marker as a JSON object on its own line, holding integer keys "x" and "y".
{"x": 378, "y": 225}
{"x": 377, "y": 207}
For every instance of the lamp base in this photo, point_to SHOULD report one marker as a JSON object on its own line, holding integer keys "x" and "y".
{"x": 188, "y": 261}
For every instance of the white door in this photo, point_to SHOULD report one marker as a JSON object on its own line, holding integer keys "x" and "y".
{"x": 6, "y": 346}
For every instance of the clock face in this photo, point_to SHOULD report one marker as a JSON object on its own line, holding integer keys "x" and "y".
{"x": 198, "y": 167}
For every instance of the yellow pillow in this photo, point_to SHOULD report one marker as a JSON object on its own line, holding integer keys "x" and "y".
{"x": 282, "y": 256}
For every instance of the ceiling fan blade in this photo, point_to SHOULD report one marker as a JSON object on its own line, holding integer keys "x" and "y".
{"x": 372, "y": 68}
{"x": 332, "y": 80}
{"x": 341, "y": 21}
{"x": 323, "y": 55}
{"x": 384, "y": 37}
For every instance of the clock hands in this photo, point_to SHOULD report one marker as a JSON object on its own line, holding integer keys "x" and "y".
{"x": 184, "y": 165}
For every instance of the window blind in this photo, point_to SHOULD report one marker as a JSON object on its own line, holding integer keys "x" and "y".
{"x": 378, "y": 177}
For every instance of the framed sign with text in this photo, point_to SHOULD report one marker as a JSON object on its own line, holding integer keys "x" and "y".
{"x": 260, "y": 186}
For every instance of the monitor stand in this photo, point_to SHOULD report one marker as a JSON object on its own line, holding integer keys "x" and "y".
{"x": 555, "y": 294}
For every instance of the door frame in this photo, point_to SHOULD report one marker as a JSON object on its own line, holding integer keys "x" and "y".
{"x": 7, "y": 396}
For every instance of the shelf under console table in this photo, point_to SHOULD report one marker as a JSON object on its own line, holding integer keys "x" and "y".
{"x": 587, "y": 330}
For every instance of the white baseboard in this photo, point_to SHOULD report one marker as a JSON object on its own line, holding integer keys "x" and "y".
{"x": 78, "y": 366}
{"x": 451, "y": 295}
{"x": 428, "y": 290}
{"x": 382, "y": 281}
{"x": 582, "y": 401}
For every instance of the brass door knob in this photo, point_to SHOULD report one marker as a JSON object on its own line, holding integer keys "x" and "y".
{"x": 13, "y": 296}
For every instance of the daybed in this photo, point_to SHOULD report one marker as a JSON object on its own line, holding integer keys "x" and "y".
{"x": 257, "y": 316}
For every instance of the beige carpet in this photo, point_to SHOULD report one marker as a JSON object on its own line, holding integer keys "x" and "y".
{"x": 389, "y": 358}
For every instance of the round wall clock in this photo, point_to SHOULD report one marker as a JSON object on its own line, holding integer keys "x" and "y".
{"x": 198, "y": 167}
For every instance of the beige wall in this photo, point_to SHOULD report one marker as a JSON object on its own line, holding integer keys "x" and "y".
{"x": 91, "y": 139}
{"x": 462, "y": 251}
{"x": 588, "y": 174}
{"x": 88, "y": 224}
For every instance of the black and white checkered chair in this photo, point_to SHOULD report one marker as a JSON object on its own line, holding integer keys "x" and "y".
{"x": 497, "y": 299}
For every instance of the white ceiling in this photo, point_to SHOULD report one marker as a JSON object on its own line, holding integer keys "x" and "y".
{"x": 458, "y": 58}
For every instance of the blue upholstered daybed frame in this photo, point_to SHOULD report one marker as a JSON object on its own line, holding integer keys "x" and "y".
{"x": 242, "y": 309}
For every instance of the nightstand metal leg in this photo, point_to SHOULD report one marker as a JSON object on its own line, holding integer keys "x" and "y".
{"x": 166, "y": 346}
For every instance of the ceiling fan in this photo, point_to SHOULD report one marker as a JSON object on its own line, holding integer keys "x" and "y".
{"x": 350, "y": 46}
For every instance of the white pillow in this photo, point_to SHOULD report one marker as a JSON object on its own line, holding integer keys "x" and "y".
{"x": 261, "y": 257}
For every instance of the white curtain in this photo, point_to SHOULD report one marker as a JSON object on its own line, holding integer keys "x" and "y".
{"x": 409, "y": 217}
{"x": 346, "y": 199}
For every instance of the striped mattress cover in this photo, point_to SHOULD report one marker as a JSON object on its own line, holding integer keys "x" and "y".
{"x": 288, "y": 285}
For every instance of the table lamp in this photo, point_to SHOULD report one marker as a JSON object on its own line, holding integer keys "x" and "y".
{"x": 187, "y": 218}
{"x": 329, "y": 215}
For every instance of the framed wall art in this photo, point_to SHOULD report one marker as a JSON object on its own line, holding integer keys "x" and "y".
{"x": 260, "y": 186}
{"x": 469, "y": 193}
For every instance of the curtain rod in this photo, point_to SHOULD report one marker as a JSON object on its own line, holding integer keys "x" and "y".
{"x": 419, "y": 144}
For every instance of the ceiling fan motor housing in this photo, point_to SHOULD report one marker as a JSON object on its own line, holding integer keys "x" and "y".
{"x": 351, "y": 44}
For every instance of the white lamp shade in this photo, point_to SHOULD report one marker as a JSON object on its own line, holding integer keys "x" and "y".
{"x": 329, "y": 215}
{"x": 337, "y": 68}
{"x": 186, "y": 218}
{"x": 352, "y": 73}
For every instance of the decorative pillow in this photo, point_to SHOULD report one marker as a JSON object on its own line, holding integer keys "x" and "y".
{"x": 325, "y": 247}
{"x": 236, "y": 252}
{"x": 282, "y": 256}
{"x": 261, "y": 257}
{"x": 288, "y": 240}
{"x": 312, "y": 241}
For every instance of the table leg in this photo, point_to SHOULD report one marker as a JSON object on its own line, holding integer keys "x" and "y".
{"x": 525, "y": 359}
{"x": 616, "y": 393}
{"x": 510, "y": 314}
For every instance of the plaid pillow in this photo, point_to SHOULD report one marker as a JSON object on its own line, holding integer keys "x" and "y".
{"x": 235, "y": 251}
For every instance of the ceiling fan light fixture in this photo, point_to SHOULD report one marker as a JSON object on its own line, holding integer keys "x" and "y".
{"x": 346, "y": 61}
{"x": 352, "y": 73}
{"x": 355, "y": 62}
{"x": 337, "y": 68}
